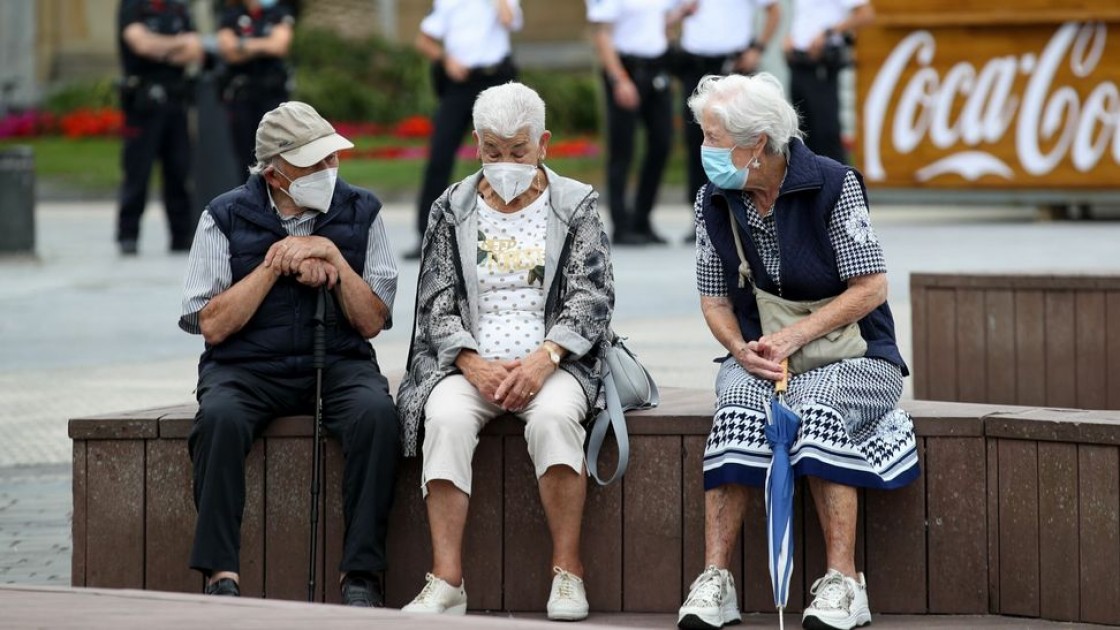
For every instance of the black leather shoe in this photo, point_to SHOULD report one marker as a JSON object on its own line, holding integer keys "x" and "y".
{"x": 129, "y": 247}
{"x": 412, "y": 254}
{"x": 225, "y": 586}
{"x": 362, "y": 589}
{"x": 655, "y": 238}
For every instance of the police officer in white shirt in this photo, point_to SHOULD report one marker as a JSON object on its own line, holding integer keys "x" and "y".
{"x": 468, "y": 44}
{"x": 631, "y": 43}
{"x": 817, "y": 47}
{"x": 719, "y": 38}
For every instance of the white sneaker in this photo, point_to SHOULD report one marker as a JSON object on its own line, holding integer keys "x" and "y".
{"x": 711, "y": 602}
{"x": 438, "y": 597}
{"x": 568, "y": 600}
{"x": 840, "y": 603}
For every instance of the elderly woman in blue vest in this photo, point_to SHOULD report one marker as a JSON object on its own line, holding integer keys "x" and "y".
{"x": 514, "y": 299}
{"x": 804, "y": 229}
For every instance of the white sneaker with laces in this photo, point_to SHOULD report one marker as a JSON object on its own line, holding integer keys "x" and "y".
{"x": 711, "y": 603}
{"x": 439, "y": 597}
{"x": 568, "y": 600}
{"x": 840, "y": 603}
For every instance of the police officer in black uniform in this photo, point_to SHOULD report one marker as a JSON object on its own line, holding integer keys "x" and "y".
{"x": 254, "y": 39}
{"x": 468, "y": 43}
{"x": 632, "y": 43}
{"x": 157, "y": 41}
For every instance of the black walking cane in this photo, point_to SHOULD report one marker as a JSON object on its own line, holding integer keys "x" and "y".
{"x": 323, "y": 319}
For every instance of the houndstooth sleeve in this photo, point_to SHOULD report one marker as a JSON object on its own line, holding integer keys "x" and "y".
{"x": 858, "y": 252}
{"x": 709, "y": 271}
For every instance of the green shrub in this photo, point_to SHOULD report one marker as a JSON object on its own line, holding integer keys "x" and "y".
{"x": 572, "y": 98}
{"x": 94, "y": 94}
{"x": 360, "y": 80}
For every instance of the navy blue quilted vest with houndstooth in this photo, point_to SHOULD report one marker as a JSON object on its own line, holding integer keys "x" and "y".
{"x": 808, "y": 262}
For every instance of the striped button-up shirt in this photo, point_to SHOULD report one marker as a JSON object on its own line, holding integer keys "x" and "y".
{"x": 209, "y": 272}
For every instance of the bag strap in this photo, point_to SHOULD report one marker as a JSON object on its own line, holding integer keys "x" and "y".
{"x": 612, "y": 416}
{"x": 744, "y": 268}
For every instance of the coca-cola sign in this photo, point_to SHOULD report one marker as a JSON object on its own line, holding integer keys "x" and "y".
{"x": 1015, "y": 119}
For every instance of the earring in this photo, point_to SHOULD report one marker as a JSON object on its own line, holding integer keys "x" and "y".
{"x": 755, "y": 163}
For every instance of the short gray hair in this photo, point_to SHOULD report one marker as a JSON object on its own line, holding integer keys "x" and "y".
{"x": 259, "y": 167}
{"x": 507, "y": 109}
{"x": 748, "y": 107}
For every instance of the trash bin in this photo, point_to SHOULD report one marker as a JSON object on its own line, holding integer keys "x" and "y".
{"x": 17, "y": 200}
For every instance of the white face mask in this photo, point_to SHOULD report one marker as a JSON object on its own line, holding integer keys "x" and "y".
{"x": 313, "y": 191}
{"x": 509, "y": 179}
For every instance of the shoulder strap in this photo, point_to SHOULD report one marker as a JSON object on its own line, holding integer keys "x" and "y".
{"x": 612, "y": 416}
{"x": 744, "y": 268}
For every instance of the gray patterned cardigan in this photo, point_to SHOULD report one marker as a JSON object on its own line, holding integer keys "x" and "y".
{"x": 578, "y": 285}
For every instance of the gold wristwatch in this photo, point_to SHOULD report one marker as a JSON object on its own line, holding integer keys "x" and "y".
{"x": 553, "y": 354}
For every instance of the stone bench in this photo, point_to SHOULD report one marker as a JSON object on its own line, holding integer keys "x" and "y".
{"x": 1016, "y": 512}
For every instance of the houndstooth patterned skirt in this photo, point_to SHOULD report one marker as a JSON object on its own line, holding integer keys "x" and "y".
{"x": 850, "y": 433}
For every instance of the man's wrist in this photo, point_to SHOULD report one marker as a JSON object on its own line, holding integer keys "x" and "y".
{"x": 757, "y": 45}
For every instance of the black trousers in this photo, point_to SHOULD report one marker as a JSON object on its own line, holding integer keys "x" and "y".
{"x": 815, "y": 91}
{"x": 156, "y": 133}
{"x": 234, "y": 407}
{"x": 244, "y": 116}
{"x": 451, "y": 121}
{"x": 692, "y": 69}
{"x": 655, "y": 112}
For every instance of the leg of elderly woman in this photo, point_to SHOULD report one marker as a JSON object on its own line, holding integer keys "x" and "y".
{"x": 454, "y": 414}
{"x": 723, "y": 519}
{"x": 447, "y": 517}
{"x": 837, "y": 510}
{"x": 554, "y": 433}
{"x": 563, "y": 492}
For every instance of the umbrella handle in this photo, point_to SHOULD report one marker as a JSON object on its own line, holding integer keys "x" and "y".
{"x": 783, "y": 384}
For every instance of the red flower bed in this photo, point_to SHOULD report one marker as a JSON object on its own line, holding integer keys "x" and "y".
{"x": 83, "y": 123}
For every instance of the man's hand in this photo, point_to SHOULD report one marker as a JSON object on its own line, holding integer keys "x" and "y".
{"x": 525, "y": 381}
{"x": 315, "y": 272}
{"x": 748, "y": 61}
{"x": 456, "y": 71}
{"x": 288, "y": 254}
{"x": 626, "y": 94}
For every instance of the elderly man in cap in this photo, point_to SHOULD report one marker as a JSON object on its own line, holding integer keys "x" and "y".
{"x": 260, "y": 255}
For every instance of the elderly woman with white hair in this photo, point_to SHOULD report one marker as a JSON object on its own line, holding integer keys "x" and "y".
{"x": 514, "y": 301}
{"x": 777, "y": 219}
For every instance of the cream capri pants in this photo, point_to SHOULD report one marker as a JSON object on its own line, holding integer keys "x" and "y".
{"x": 456, "y": 411}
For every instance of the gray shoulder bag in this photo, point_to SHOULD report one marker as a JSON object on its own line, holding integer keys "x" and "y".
{"x": 776, "y": 313}
{"x": 627, "y": 385}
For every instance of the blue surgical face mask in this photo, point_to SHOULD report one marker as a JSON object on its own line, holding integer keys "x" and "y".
{"x": 721, "y": 170}
{"x": 267, "y": 4}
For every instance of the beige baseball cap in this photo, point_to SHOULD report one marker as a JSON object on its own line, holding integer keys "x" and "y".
{"x": 297, "y": 133}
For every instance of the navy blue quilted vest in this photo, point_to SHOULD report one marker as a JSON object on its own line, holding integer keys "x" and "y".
{"x": 808, "y": 262}
{"x": 278, "y": 338}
